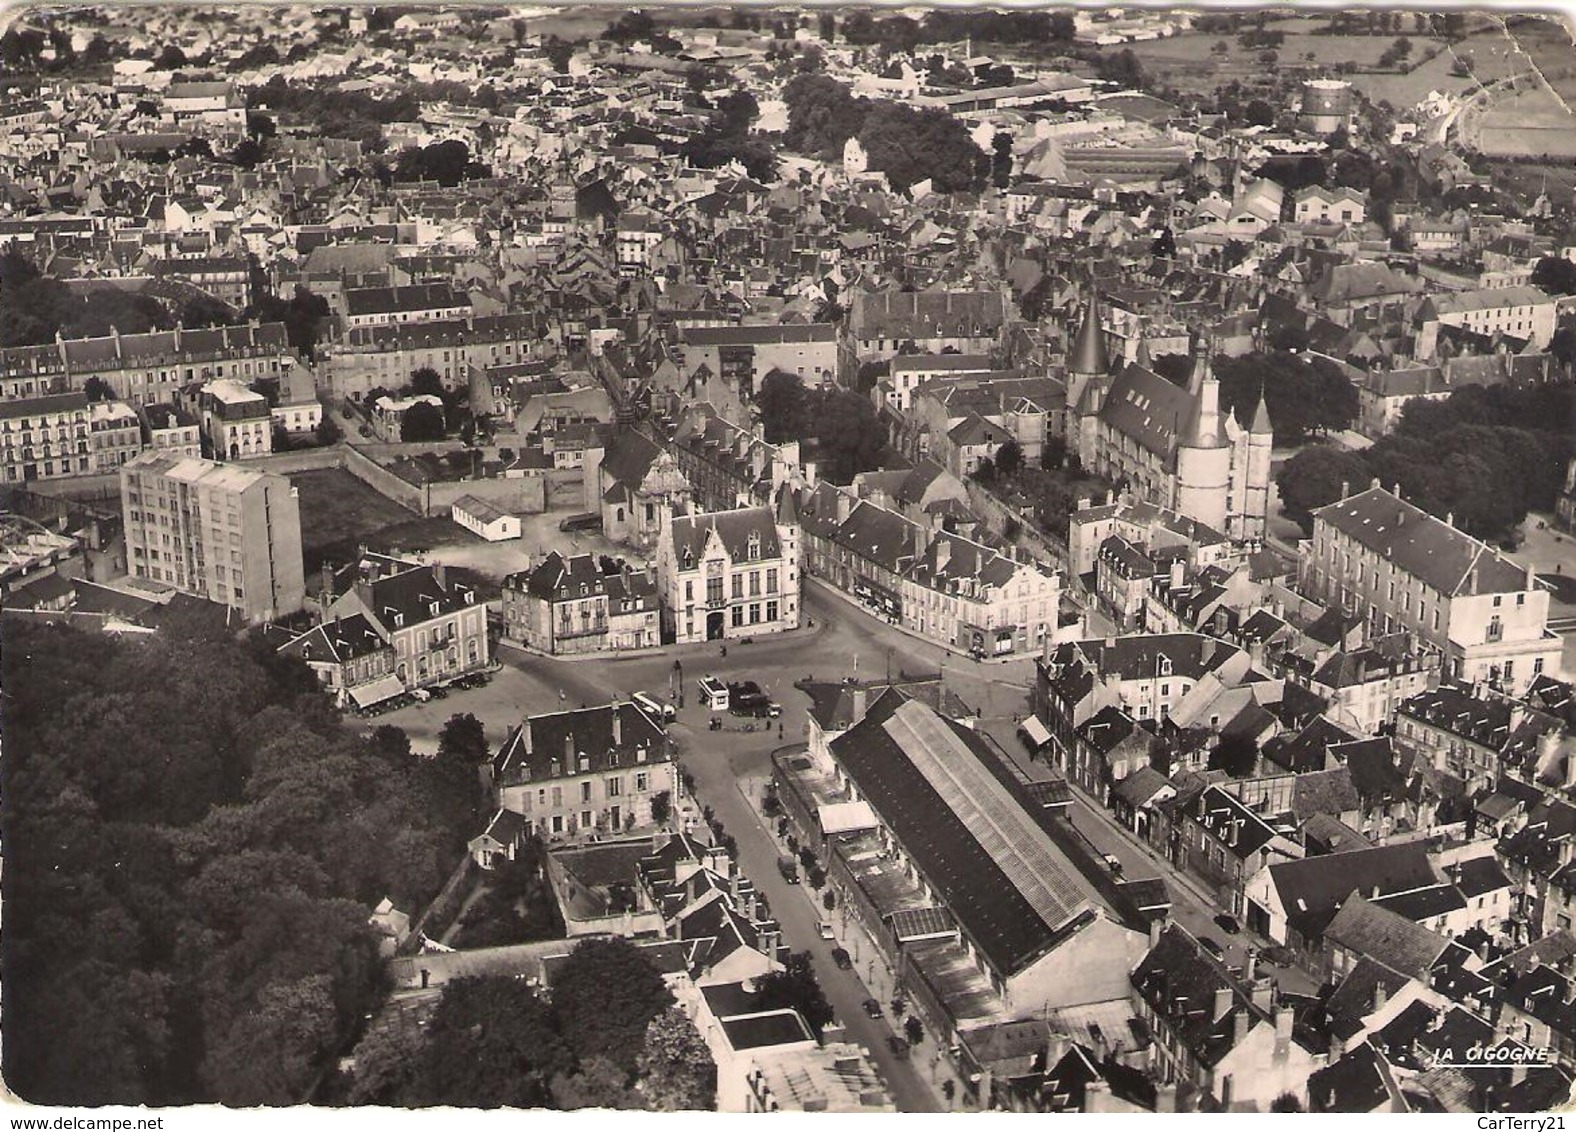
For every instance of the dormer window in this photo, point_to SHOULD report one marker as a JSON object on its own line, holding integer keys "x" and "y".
{"x": 399, "y": 621}
{"x": 640, "y": 754}
{"x": 585, "y": 763}
{"x": 434, "y": 608}
{"x": 470, "y": 597}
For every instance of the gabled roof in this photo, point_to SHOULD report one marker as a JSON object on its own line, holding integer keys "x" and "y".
{"x": 1442, "y": 557}
{"x": 543, "y": 743}
{"x": 1180, "y": 983}
{"x": 1313, "y": 889}
{"x": 1365, "y": 928}
{"x": 338, "y": 640}
{"x": 738, "y": 530}
{"x": 937, "y": 790}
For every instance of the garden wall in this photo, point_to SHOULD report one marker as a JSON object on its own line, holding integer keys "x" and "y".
{"x": 385, "y": 482}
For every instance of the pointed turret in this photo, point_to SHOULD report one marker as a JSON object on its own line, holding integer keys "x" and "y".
{"x": 1261, "y": 419}
{"x": 787, "y": 507}
{"x": 1088, "y": 354}
{"x": 1142, "y": 356}
{"x": 1202, "y": 426}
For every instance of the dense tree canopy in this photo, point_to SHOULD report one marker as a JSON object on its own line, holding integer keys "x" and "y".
{"x": 795, "y": 988}
{"x": 606, "y": 994}
{"x": 907, "y": 144}
{"x": 849, "y": 433}
{"x": 423, "y": 421}
{"x": 34, "y": 307}
{"x": 1485, "y": 455}
{"x": 785, "y": 407}
{"x": 1304, "y": 397}
{"x": 446, "y": 162}
{"x": 194, "y": 844}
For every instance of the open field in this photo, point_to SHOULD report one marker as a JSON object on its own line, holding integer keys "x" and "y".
{"x": 339, "y": 513}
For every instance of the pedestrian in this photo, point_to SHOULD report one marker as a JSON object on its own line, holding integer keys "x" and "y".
{"x": 561, "y": 696}
{"x": 779, "y": 729}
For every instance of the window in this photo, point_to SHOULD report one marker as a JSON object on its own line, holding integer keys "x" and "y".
{"x": 755, "y": 614}
{"x": 1165, "y": 689}
{"x": 558, "y": 796}
{"x": 1537, "y": 666}
{"x": 771, "y": 611}
{"x": 615, "y": 787}
{"x": 585, "y": 791}
{"x": 558, "y": 823}
{"x": 689, "y": 591}
{"x": 738, "y": 586}
{"x": 738, "y": 616}
{"x": 642, "y": 782}
{"x": 771, "y": 579}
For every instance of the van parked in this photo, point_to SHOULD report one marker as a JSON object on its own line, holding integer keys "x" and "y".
{"x": 713, "y": 693}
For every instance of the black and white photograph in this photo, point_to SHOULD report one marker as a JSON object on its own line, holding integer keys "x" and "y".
{"x": 743, "y": 559}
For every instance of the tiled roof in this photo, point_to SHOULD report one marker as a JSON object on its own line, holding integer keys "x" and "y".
{"x": 1147, "y": 408}
{"x": 1312, "y": 889}
{"x": 1369, "y": 929}
{"x": 736, "y": 528}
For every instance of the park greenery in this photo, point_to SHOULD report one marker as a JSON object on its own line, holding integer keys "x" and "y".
{"x": 909, "y": 145}
{"x": 195, "y": 842}
{"x": 848, "y": 434}
{"x": 607, "y": 1036}
{"x": 1486, "y": 456}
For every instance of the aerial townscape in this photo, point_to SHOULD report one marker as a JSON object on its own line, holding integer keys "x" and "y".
{"x": 788, "y": 559}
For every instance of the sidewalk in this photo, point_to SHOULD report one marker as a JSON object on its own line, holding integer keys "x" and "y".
{"x": 613, "y": 656}
{"x": 870, "y": 967}
{"x": 831, "y": 590}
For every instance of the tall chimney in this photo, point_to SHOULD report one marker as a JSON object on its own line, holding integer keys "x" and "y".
{"x": 618, "y": 725}
{"x": 1241, "y": 1023}
{"x": 860, "y": 697}
{"x": 525, "y": 735}
{"x": 569, "y": 751}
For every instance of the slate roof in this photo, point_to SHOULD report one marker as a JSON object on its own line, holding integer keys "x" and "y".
{"x": 1455, "y": 709}
{"x": 411, "y": 297}
{"x": 1150, "y": 410}
{"x": 412, "y": 594}
{"x": 691, "y": 533}
{"x": 1358, "y": 1082}
{"x": 629, "y": 458}
{"x": 531, "y": 749}
{"x": 1179, "y": 982}
{"x": 926, "y": 314}
{"x": 1369, "y": 929}
{"x": 1312, "y": 889}
{"x": 1324, "y": 792}
{"x": 1442, "y": 557}
{"x": 579, "y": 576}
{"x": 339, "y": 640}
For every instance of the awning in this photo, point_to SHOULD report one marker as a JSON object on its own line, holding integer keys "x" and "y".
{"x": 1035, "y": 730}
{"x": 375, "y": 692}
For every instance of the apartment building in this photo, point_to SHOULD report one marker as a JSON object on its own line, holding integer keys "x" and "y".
{"x": 116, "y": 434}
{"x": 147, "y": 369}
{"x": 415, "y": 302}
{"x": 384, "y": 356}
{"x": 743, "y": 355}
{"x": 1403, "y": 571}
{"x": 593, "y": 770}
{"x": 438, "y": 629}
{"x": 171, "y": 430}
{"x": 1519, "y": 312}
{"x": 575, "y": 605}
{"x": 217, "y": 531}
{"x": 45, "y": 437}
{"x": 236, "y": 422}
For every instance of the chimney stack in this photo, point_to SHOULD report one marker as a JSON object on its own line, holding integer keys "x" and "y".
{"x": 860, "y": 696}
{"x": 1241, "y": 1023}
{"x": 1156, "y": 927}
{"x": 525, "y": 735}
{"x": 569, "y": 752}
{"x": 1223, "y": 999}
{"x": 618, "y": 724}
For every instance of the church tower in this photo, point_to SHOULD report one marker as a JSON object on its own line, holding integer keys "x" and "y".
{"x": 1088, "y": 369}
{"x": 1203, "y": 469}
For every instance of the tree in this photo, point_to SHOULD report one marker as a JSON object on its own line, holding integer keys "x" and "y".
{"x": 559, "y": 54}
{"x": 1236, "y": 754}
{"x": 1556, "y": 275}
{"x": 795, "y": 988}
{"x": 491, "y": 1043}
{"x": 784, "y": 406}
{"x": 676, "y": 1070}
{"x": 1317, "y": 476}
{"x": 1009, "y": 459}
{"x": 829, "y": 900}
{"x": 1286, "y": 1102}
{"x": 661, "y": 807}
{"x": 170, "y": 59}
{"x": 913, "y": 1030}
{"x": 423, "y": 421}
{"x": 606, "y": 995}
{"x": 985, "y": 471}
{"x": 97, "y": 389}
{"x": 452, "y": 779}
{"x": 247, "y": 153}
{"x": 1259, "y": 113}
{"x": 849, "y": 433}
{"x": 426, "y": 382}
{"x": 598, "y": 1083}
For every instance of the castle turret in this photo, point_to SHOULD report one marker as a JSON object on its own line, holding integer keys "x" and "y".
{"x": 1087, "y": 358}
{"x": 1203, "y": 454}
{"x": 1251, "y": 476}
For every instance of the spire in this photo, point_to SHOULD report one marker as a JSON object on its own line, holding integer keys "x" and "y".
{"x": 1142, "y": 356}
{"x": 1202, "y": 427}
{"x": 1088, "y": 352}
{"x": 1201, "y": 371}
{"x": 1261, "y": 419}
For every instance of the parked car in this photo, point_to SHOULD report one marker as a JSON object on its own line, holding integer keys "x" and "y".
{"x": 898, "y": 1046}
{"x": 1278, "y": 955}
{"x": 438, "y": 691}
{"x": 841, "y": 957}
{"x": 825, "y": 928}
{"x": 873, "y": 1008}
{"x": 746, "y": 698}
{"x": 1113, "y": 863}
{"x": 1228, "y": 923}
{"x": 585, "y": 521}
{"x": 789, "y": 869}
{"x": 1212, "y": 947}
